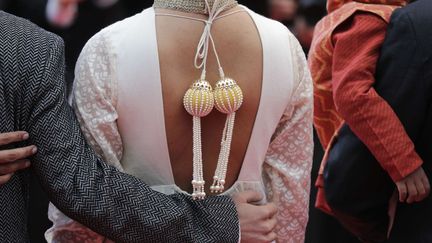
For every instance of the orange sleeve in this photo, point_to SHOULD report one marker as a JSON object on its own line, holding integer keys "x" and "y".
{"x": 357, "y": 43}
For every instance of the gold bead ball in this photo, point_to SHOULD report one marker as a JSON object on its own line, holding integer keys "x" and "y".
{"x": 198, "y": 100}
{"x": 228, "y": 96}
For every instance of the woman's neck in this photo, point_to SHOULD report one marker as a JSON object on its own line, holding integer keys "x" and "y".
{"x": 193, "y": 6}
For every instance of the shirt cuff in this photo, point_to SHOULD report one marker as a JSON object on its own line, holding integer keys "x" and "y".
{"x": 405, "y": 166}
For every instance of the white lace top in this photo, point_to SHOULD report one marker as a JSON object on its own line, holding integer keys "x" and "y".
{"x": 109, "y": 82}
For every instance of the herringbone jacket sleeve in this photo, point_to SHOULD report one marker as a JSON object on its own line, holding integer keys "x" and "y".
{"x": 109, "y": 202}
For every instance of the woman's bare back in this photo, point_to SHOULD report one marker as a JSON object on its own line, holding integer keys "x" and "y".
{"x": 239, "y": 48}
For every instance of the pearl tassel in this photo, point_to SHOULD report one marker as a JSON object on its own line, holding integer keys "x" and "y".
{"x": 198, "y": 178}
{"x": 200, "y": 99}
{"x": 228, "y": 99}
{"x": 218, "y": 185}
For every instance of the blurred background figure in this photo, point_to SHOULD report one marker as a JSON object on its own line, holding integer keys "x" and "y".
{"x": 284, "y": 11}
{"x": 308, "y": 14}
{"x": 74, "y": 20}
{"x": 62, "y": 13}
{"x": 258, "y": 6}
{"x": 300, "y": 16}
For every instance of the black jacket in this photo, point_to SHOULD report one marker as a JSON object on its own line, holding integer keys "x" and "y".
{"x": 32, "y": 98}
{"x": 404, "y": 80}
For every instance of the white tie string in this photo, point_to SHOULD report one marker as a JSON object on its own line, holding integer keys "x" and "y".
{"x": 201, "y": 55}
{"x": 195, "y": 98}
{"x": 203, "y": 45}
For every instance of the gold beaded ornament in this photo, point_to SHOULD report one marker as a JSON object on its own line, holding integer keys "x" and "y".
{"x": 200, "y": 99}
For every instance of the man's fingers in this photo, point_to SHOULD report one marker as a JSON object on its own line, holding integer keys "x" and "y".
{"x": 12, "y": 155}
{"x": 270, "y": 211}
{"x": 266, "y": 226}
{"x": 253, "y": 196}
{"x": 420, "y": 189}
{"x": 13, "y": 137}
{"x": 5, "y": 178}
{"x": 269, "y": 225}
{"x": 14, "y": 166}
{"x": 247, "y": 197}
{"x": 412, "y": 192}
{"x": 402, "y": 191}
{"x": 270, "y": 237}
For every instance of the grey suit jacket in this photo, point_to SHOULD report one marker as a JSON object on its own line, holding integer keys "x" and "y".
{"x": 117, "y": 205}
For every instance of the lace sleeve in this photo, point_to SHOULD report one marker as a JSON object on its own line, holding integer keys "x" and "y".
{"x": 94, "y": 104}
{"x": 289, "y": 158}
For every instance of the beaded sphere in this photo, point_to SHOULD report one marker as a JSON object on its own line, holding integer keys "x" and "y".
{"x": 228, "y": 96}
{"x": 198, "y": 100}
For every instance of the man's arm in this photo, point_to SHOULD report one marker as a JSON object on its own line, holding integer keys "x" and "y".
{"x": 400, "y": 79}
{"x": 114, "y": 204}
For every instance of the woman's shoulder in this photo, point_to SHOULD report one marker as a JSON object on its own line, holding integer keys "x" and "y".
{"x": 125, "y": 26}
{"x": 265, "y": 22}
{"x": 116, "y": 32}
{"x": 273, "y": 31}
{"x": 132, "y": 22}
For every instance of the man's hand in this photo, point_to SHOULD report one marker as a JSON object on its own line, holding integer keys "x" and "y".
{"x": 414, "y": 187}
{"x": 257, "y": 223}
{"x": 12, "y": 160}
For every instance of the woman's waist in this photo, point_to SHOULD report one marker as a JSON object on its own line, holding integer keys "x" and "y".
{"x": 238, "y": 186}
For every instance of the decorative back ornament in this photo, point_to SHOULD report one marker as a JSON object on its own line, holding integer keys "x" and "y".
{"x": 200, "y": 98}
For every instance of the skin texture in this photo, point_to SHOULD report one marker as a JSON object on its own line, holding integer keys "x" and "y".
{"x": 256, "y": 222}
{"x": 239, "y": 48}
{"x": 240, "y": 53}
{"x": 414, "y": 188}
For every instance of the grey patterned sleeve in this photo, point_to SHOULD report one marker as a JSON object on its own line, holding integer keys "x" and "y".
{"x": 109, "y": 202}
